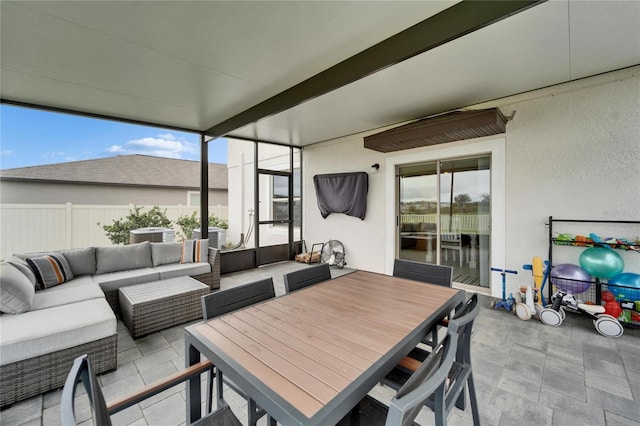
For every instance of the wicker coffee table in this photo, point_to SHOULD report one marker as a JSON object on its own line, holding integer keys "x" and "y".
{"x": 157, "y": 305}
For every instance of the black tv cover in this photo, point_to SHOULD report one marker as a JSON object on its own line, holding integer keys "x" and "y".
{"x": 342, "y": 193}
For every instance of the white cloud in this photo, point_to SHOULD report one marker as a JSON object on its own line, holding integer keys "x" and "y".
{"x": 6, "y": 152}
{"x": 165, "y": 145}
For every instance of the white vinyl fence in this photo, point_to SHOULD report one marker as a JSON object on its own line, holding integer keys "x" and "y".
{"x": 41, "y": 227}
{"x": 465, "y": 223}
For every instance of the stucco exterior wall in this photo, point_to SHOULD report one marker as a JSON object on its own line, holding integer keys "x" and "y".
{"x": 56, "y": 193}
{"x": 571, "y": 151}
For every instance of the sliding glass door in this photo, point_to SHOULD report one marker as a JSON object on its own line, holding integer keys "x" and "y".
{"x": 444, "y": 215}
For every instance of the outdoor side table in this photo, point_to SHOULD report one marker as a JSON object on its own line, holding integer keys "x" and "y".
{"x": 157, "y": 305}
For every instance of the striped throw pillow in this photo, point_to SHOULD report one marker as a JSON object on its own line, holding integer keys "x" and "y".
{"x": 195, "y": 251}
{"x": 50, "y": 270}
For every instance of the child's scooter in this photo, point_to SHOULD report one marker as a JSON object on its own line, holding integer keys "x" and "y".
{"x": 554, "y": 314}
{"x": 505, "y": 303}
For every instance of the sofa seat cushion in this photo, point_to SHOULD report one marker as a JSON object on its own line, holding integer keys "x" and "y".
{"x": 114, "y": 280}
{"x": 182, "y": 269}
{"x": 77, "y": 290}
{"x": 36, "y": 333}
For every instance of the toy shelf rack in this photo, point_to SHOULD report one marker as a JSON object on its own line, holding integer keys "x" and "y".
{"x": 594, "y": 292}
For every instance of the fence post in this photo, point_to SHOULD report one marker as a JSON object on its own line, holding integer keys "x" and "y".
{"x": 69, "y": 223}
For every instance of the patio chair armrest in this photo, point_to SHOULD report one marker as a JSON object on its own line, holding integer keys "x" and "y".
{"x": 158, "y": 386}
{"x": 410, "y": 364}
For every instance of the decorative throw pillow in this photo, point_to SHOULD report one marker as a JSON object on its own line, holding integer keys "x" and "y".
{"x": 22, "y": 266}
{"x": 195, "y": 251}
{"x": 16, "y": 291}
{"x": 50, "y": 270}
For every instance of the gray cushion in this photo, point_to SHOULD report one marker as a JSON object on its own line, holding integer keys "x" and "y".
{"x": 16, "y": 291}
{"x": 36, "y": 333}
{"x": 50, "y": 270}
{"x": 81, "y": 260}
{"x": 114, "y": 280}
{"x": 165, "y": 253}
{"x": 77, "y": 290}
{"x": 121, "y": 258}
{"x": 21, "y": 265}
{"x": 182, "y": 269}
{"x": 195, "y": 251}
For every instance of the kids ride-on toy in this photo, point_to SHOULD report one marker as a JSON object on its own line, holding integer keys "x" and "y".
{"x": 554, "y": 314}
{"x": 505, "y": 303}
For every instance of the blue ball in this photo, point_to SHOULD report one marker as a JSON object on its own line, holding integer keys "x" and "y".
{"x": 625, "y": 286}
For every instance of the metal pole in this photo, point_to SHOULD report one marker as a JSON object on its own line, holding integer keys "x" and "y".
{"x": 204, "y": 187}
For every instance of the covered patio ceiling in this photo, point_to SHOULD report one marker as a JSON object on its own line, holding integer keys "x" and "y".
{"x": 203, "y": 66}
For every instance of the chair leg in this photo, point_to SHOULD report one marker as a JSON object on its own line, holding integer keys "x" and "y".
{"x": 460, "y": 402}
{"x": 219, "y": 383}
{"x": 434, "y": 337}
{"x": 439, "y": 409}
{"x": 473, "y": 401}
{"x": 210, "y": 384}
{"x": 252, "y": 412}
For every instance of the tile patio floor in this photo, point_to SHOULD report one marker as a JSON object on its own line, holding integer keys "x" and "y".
{"x": 526, "y": 373}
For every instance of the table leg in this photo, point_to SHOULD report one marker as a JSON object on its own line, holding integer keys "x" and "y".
{"x": 194, "y": 411}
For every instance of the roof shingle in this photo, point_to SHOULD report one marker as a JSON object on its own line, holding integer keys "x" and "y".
{"x": 139, "y": 170}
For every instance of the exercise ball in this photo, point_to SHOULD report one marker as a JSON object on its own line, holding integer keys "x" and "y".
{"x": 625, "y": 286}
{"x": 601, "y": 262}
{"x": 570, "y": 278}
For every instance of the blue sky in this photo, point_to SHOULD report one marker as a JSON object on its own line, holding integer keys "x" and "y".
{"x": 31, "y": 137}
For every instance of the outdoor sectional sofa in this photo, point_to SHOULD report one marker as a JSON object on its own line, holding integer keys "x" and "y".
{"x": 43, "y": 330}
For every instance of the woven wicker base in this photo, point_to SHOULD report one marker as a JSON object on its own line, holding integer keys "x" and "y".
{"x": 33, "y": 376}
{"x": 155, "y": 306}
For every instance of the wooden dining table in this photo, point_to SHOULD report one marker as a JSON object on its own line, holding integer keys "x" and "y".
{"x": 309, "y": 356}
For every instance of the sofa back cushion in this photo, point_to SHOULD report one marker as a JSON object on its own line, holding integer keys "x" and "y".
{"x": 22, "y": 266}
{"x": 81, "y": 260}
{"x": 122, "y": 258}
{"x": 165, "y": 253}
{"x": 16, "y": 291}
{"x": 50, "y": 270}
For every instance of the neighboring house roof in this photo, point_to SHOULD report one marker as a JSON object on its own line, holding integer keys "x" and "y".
{"x": 129, "y": 170}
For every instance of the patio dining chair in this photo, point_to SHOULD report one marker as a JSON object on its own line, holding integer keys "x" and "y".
{"x": 305, "y": 277}
{"x": 225, "y": 301}
{"x": 81, "y": 372}
{"x": 426, "y": 273}
{"x": 460, "y": 375}
{"x": 428, "y": 381}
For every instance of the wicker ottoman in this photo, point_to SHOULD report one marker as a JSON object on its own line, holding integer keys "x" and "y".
{"x": 157, "y": 305}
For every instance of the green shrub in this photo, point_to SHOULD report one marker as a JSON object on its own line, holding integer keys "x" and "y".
{"x": 188, "y": 223}
{"x": 118, "y": 232}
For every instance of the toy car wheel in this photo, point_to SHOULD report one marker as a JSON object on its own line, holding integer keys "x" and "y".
{"x": 538, "y": 309}
{"x": 492, "y": 304}
{"x": 550, "y": 317}
{"x": 522, "y": 311}
{"x": 608, "y": 326}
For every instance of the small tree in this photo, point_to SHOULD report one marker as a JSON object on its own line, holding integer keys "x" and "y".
{"x": 189, "y": 223}
{"x": 119, "y": 231}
